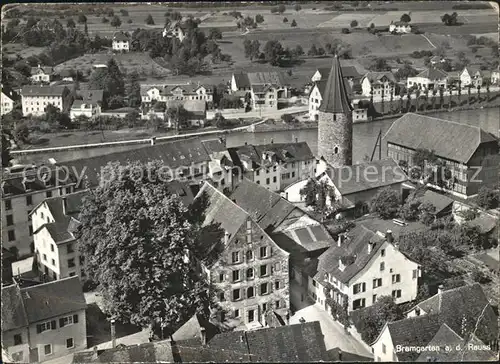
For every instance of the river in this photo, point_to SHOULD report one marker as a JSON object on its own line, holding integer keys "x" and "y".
{"x": 364, "y": 136}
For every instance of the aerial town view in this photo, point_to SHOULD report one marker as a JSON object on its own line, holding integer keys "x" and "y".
{"x": 250, "y": 181}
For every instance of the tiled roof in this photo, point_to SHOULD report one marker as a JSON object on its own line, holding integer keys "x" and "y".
{"x": 241, "y": 80}
{"x": 438, "y": 200}
{"x": 335, "y": 97}
{"x": 312, "y": 237}
{"x": 473, "y": 302}
{"x": 448, "y": 139}
{"x": 45, "y": 69}
{"x": 267, "y": 208}
{"x": 42, "y": 90}
{"x": 120, "y": 37}
{"x": 191, "y": 330}
{"x": 347, "y": 72}
{"x": 336, "y": 353}
{"x": 433, "y": 74}
{"x": 155, "y": 352}
{"x": 24, "y": 306}
{"x": 66, "y": 73}
{"x": 13, "y": 314}
{"x": 181, "y": 153}
{"x": 91, "y": 96}
{"x": 322, "y": 86}
{"x": 366, "y": 176}
{"x": 378, "y": 76}
{"x": 214, "y": 146}
{"x": 355, "y": 245}
{"x": 413, "y": 332}
{"x": 266, "y": 78}
{"x": 446, "y": 337}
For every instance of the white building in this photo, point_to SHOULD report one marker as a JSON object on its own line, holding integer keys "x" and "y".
{"x": 7, "y": 101}
{"x": 275, "y": 166}
{"x": 42, "y": 74}
{"x": 266, "y": 88}
{"x": 165, "y": 93}
{"x": 362, "y": 266}
{"x": 89, "y": 105}
{"x": 121, "y": 42}
{"x": 474, "y": 76}
{"x": 431, "y": 78}
{"x": 36, "y": 98}
{"x": 350, "y": 73}
{"x": 378, "y": 81}
{"x": 399, "y": 27}
{"x": 43, "y": 322}
{"x": 175, "y": 30}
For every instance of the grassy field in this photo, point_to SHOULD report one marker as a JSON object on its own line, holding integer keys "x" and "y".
{"x": 14, "y": 49}
{"x": 128, "y": 62}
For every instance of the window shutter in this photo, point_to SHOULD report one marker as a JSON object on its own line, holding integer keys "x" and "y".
{"x": 38, "y": 329}
{"x": 53, "y": 324}
{"x": 61, "y": 322}
{"x": 75, "y": 319}
{"x": 364, "y": 287}
{"x": 243, "y": 293}
{"x": 269, "y": 287}
{"x": 271, "y": 251}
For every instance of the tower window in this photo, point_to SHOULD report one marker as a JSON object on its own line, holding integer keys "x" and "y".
{"x": 334, "y": 117}
{"x": 336, "y": 150}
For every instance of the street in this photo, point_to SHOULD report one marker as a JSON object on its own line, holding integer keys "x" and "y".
{"x": 334, "y": 334}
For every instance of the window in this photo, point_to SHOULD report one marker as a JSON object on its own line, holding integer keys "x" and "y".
{"x": 415, "y": 274}
{"x": 72, "y": 274}
{"x": 250, "y": 292}
{"x": 360, "y": 287}
{"x": 30, "y": 229}
{"x": 236, "y": 313}
{"x": 267, "y": 181}
{"x": 251, "y": 315}
{"x": 257, "y": 172}
{"x": 51, "y": 247}
{"x": 293, "y": 174}
{"x": 315, "y": 284}
{"x": 277, "y": 266}
{"x": 29, "y": 200}
{"x": 18, "y": 339}
{"x": 236, "y": 294}
{"x": 263, "y": 289}
{"x": 377, "y": 282}
{"x": 12, "y": 235}
{"x": 417, "y": 311}
{"x": 250, "y": 273}
{"x": 382, "y": 266}
{"x": 235, "y": 257}
{"x": 46, "y": 326}
{"x": 274, "y": 179}
{"x": 69, "y": 248}
{"x": 53, "y": 262}
{"x": 45, "y": 257}
{"x": 48, "y": 349}
{"x": 277, "y": 285}
{"x": 221, "y": 277}
{"x": 68, "y": 320}
{"x": 236, "y": 276}
{"x": 221, "y": 297}
{"x": 374, "y": 298}
{"x": 263, "y": 270}
{"x": 396, "y": 293}
{"x": 359, "y": 303}
{"x": 396, "y": 278}
{"x": 383, "y": 348}
{"x": 249, "y": 255}
{"x": 263, "y": 251}
{"x": 71, "y": 263}
{"x": 8, "y": 205}
{"x": 10, "y": 220}
{"x": 382, "y": 253}
{"x": 49, "y": 194}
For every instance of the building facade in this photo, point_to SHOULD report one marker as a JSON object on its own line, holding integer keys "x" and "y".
{"x": 45, "y": 321}
{"x": 20, "y": 194}
{"x": 400, "y": 27}
{"x": 431, "y": 78}
{"x": 7, "y": 103}
{"x": 167, "y": 93}
{"x": 121, "y": 42}
{"x": 378, "y": 83}
{"x": 41, "y": 74}
{"x": 251, "y": 275}
{"x": 35, "y": 99}
{"x": 266, "y": 89}
{"x": 335, "y": 120}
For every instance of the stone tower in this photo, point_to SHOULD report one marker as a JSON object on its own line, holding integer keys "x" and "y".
{"x": 335, "y": 121}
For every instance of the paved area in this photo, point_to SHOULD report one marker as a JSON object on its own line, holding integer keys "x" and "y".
{"x": 334, "y": 334}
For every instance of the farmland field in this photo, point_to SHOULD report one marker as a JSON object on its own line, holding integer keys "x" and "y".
{"x": 14, "y": 49}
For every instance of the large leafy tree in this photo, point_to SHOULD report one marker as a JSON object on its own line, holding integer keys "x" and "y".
{"x": 6, "y": 158}
{"x": 386, "y": 203}
{"x": 140, "y": 244}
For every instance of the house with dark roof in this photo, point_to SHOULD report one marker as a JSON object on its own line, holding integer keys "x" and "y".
{"x": 175, "y": 30}
{"x": 22, "y": 188}
{"x": 35, "y": 99}
{"x": 350, "y": 73}
{"x": 468, "y": 152}
{"x": 274, "y": 165}
{"x": 8, "y": 98}
{"x": 317, "y": 94}
{"x": 54, "y": 222}
{"x": 45, "y": 321}
{"x": 443, "y": 204}
{"x": 430, "y": 79}
{"x": 42, "y": 74}
{"x": 88, "y": 104}
{"x": 399, "y": 27}
{"x": 362, "y": 265}
{"x": 221, "y": 165}
{"x": 473, "y": 75}
{"x": 460, "y": 315}
{"x": 121, "y": 42}
{"x": 266, "y": 89}
{"x": 176, "y": 93}
{"x": 250, "y": 271}
{"x": 294, "y": 343}
{"x": 378, "y": 83}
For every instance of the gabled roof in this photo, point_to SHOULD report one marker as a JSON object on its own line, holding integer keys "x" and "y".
{"x": 335, "y": 97}
{"x": 438, "y": 200}
{"x": 191, "y": 330}
{"x": 365, "y": 176}
{"x": 91, "y": 96}
{"x": 266, "y": 78}
{"x": 347, "y": 72}
{"x": 42, "y": 90}
{"x": 432, "y": 73}
{"x": 449, "y": 139}
{"x": 120, "y": 37}
{"x": 446, "y": 337}
{"x": 356, "y": 245}
{"x": 473, "y": 303}
{"x": 321, "y": 85}
{"x": 181, "y": 153}
{"x": 10, "y": 93}
{"x": 155, "y": 352}
{"x": 376, "y": 77}
{"x": 242, "y": 80}
{"x": 42, "y": 69}
{"x": 412, "y": 332}
{"x": 214, "y": 146}
{"x": 24, "y": 306}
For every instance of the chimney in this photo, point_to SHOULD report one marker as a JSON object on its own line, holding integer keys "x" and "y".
{"x": 370, "y": 247}
{"x": 340, "y": 355}
{"x": 440, "y": 289}
{"x": 296, "y": 140}
{"x": 226, "y": 238}
{"x": 272, "y": 140}
{"x": 152, "y": 140}
{"x": 64, "y": 205}
{"x": 286, "y": 195}
{"x": 246, "y": 143}
{"x": 389, "y": 237}
{"x": 203, "y": 336}
{"x": 113, "y": 334}
{"x": 341, "y": 265}
{"x": 242, "y": 339}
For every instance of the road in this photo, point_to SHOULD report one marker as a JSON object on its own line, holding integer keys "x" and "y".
{"x": 274, "y": 114}
{"x": 334, "y": 334}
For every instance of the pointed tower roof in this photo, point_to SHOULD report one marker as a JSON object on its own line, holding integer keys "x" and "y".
{"x": 335, "y": 99}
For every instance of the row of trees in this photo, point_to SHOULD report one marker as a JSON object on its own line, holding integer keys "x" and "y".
{"x": 338, "y": 47}
{"x": 273, "y": 52}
